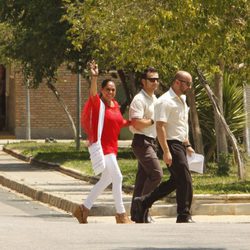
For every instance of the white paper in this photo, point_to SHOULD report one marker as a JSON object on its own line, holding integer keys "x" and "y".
{"x": 196, "y": 162}
{"x": 97, "y": 157}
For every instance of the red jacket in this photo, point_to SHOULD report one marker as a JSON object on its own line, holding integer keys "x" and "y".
{"x": 113, "y": 122}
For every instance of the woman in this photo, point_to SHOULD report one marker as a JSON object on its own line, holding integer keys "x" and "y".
{"x": 113, "y": 122}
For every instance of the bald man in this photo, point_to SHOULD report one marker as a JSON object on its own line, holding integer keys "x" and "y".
{"x": 171, "y": 116}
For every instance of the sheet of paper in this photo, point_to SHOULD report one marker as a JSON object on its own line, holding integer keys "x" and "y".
{"x": 196, "y": 163}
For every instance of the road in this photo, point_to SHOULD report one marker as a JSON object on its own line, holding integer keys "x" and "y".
{"x": 27, "y": 224}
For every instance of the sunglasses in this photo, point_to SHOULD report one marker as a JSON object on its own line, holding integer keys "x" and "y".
{"x": 186, "y": 82}
{"x": 153, "y": 79}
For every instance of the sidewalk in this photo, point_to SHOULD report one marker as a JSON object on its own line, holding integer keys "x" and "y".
{"x": 65, "y": 192}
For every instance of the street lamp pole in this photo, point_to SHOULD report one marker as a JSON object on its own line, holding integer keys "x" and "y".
{"x": 28, "y": 130}
{"x": 78, "y": 113}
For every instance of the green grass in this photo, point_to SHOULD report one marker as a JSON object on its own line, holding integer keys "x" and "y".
{"x": 66, "y": 154}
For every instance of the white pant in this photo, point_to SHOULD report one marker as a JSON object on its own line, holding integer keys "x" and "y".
{"x": 111, "y": 174}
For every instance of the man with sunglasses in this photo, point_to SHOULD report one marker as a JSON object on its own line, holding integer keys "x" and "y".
{"x": 171, "y": 116}
{"x": 141, "y": 114}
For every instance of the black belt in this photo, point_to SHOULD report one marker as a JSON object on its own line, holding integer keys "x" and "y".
{"x": 176, "y": 141}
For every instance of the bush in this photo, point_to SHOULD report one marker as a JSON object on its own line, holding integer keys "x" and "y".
{"x": 225, "y": 161}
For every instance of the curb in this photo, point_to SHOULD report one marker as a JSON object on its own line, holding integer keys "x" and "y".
{"x": 53, "y": 200}
{"x": 38, "y": 195}
{"x": 58, "y": 167}
{"x": 229, "y": 204}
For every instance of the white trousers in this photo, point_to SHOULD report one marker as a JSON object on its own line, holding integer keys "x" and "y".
{"x": 111, "y": 174}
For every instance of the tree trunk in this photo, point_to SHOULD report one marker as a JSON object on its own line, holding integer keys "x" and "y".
{"x": 64, "y": 106}
{"x": 195, "y": 125}
{"x": 220, "y": 117}
{"x": 246, "y": 108}
{"x": 210, "y": 152}
{"x": 221, "y": 140}
{"x": 128, "y": 83}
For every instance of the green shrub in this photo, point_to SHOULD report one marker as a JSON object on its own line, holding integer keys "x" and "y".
{"x": 225, "y": 161}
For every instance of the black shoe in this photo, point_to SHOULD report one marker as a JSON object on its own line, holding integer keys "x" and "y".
{"x": 148, "y": 218}
{"x": 133, "y": 213}
{"x": 140, "y": 210}
{"x": 133, "y": 217}
{"x": 184, "y": 219}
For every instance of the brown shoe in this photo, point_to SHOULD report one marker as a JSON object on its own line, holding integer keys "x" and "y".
{"x": 122, "y": 219}
{"x": 81, "y": 213}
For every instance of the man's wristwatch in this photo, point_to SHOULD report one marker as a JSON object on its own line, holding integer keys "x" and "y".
{"x": 188, "y": 146}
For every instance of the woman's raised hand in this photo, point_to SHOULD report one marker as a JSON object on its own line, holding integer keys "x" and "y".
{"x": 93, "y": 66}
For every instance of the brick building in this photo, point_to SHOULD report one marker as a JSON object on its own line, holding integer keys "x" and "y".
{"x": 47, "y": 117}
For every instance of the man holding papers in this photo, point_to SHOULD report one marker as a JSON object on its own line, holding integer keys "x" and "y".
{"x": 171, "y": 116}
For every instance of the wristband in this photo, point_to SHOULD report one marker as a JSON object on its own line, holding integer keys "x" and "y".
{"x": 188, "y": 146}
{"x": 152, "y": 121}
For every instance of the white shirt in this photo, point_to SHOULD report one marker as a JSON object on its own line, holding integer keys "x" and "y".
{"x": 173, "y": 110}
{"x": 142, "y": 106}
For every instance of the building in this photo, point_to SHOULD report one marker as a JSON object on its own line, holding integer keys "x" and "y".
{"x": 47, "y": 117}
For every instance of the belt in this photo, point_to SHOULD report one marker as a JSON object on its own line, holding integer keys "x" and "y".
{"x": 176, "y": 141}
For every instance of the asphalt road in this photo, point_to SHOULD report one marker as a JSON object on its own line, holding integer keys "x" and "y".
{"x": 27, "y": 224}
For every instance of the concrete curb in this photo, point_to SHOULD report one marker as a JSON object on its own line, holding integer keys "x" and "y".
{"x": 53, "y": 200}
{"x": 57, "y": 167}
{"x": 38, "y": 195}
{"x": 230, "y": 204}
{"x": 45, "y": 197}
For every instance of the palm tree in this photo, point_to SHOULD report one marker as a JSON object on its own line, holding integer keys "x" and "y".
{"x": 233, "y": 106}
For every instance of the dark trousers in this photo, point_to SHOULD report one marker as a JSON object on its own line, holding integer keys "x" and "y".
{"x": 149, "y": 173}
{"x": 180, "y": 180}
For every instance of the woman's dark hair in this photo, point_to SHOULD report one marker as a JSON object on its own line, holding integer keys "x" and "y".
{"x": 148, "y": 69}
{"x": 105, "y": 82}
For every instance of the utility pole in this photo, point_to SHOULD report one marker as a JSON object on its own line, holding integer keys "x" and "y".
{"x": 78, "y": 113}
{"x": 28, "y": 130}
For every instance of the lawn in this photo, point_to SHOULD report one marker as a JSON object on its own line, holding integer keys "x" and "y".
{"x": 66, "y": 155}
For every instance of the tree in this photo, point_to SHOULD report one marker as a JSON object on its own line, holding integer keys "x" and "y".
{"x": 220, "y": 117}
{"x": 128, "y": 35}
{"x": 226, "y": 29}
{"x": 5, "y": 36}
{"x": 37, "y": 41}
{"x": 211, "y": 34}
{"x": 225, "y": 25}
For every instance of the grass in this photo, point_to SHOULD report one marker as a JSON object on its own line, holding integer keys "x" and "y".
{"x": 66, "y": 154}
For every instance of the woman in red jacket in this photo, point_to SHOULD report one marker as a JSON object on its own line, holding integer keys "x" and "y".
{"x": 113, "y": 122}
